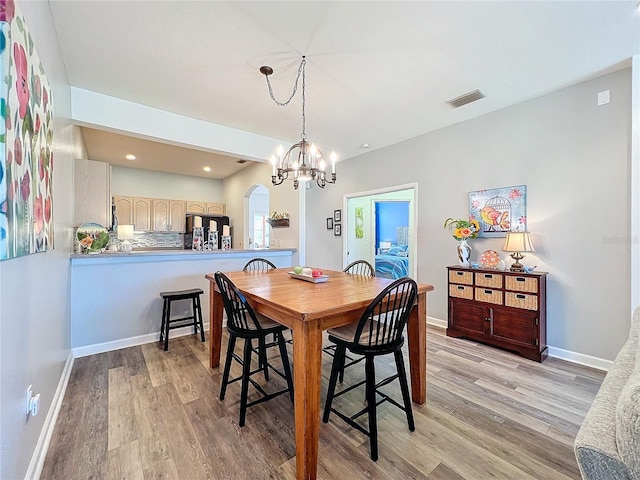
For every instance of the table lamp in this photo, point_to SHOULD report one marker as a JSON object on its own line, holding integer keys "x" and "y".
{"x": 518, "y": 242}
{"x": 125, "y": 233}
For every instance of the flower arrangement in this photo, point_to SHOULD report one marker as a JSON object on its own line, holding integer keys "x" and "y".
{"x": 462, "y": 229}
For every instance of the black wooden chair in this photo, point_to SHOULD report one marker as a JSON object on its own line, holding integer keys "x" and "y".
{"x": 378, "y": 332}
{"x": 169, "y": 323}
{"x": 257, "y": 264}
{"x": 244, "y": 322}
{"x": 361, "y": 267}
{"x": 260, "y": 265}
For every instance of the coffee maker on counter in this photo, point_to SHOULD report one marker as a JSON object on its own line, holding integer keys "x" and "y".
{"x": 205, "y": 232}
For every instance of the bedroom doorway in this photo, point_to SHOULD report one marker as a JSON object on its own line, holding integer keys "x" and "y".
{"x": 367, "y": 226}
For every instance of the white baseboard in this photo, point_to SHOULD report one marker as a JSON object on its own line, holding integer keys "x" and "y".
{"x": 131, "y": 341}
{"x": 580, "y": 358}
{"x": 40, "y": 453}
{"x": 568, "y": 355}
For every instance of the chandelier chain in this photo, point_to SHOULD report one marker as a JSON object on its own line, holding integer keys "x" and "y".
{"x": 301, "y": 71}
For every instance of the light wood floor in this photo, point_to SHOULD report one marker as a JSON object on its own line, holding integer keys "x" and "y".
{"x": 141, "y": 413}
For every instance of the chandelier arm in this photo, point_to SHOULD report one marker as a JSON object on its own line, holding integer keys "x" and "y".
{"x": 295, "y": 86}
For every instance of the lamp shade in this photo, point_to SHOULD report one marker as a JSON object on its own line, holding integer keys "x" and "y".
{"x": 518, "y": 242}
{"x": 125, "y": 232}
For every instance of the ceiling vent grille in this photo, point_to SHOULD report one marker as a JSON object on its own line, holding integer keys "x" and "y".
{"x": 466, "y": 98}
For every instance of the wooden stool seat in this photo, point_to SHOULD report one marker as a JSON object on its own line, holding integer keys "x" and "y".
{"x": 169, "y": 323}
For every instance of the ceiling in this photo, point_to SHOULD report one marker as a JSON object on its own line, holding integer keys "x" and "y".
{"x": 377, "y": 72}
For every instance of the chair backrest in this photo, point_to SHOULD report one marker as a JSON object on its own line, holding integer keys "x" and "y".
{"x": 361, "y": 267}
{"x": 383, "y": 322}
{"x": 258, "y": 264}
{"x": 240, "y": 315}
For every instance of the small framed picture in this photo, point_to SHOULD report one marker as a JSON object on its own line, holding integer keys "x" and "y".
{"x": 337, "y": 231}
{"x": 337, "y": 215}
{"x": 329, "y": 223}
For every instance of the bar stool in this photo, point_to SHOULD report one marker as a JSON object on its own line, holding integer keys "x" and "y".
{"x": 167, "y": 321}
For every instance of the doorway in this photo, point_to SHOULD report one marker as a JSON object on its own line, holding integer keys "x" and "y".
{"x": 256, "y": 215}
{"x": 367, "y": 226}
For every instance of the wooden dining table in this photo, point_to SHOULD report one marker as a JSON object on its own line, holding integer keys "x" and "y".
{"x": 308, "y": 309}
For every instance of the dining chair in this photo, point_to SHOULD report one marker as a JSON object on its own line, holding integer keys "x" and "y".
{"x": 361, "y": 267}
{"x": 378, "y": 332}
{"x": 243, "y": 322}
{"x": 258, "y": 264}
{"x": 358, "y": 267}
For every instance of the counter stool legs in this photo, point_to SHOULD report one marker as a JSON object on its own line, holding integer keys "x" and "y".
{"x": 196, "y": 314}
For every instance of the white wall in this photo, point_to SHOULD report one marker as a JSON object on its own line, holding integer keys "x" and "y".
{"x": 574, "y": 157}
{"x": 34, "y": 300}
{"x": 148, "y": 183}
{"x": 282, "y": 198}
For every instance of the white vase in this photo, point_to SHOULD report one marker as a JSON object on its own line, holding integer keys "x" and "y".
{"x": 464, "y": 252}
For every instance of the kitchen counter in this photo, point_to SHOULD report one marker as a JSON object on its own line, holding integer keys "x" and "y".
{"x": 176, "y": 254}
{"x": 115, "y": 297}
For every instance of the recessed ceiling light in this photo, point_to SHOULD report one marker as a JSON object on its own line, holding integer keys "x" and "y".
{"x": 130, "y": 156}
{"x": 365, "y": 145}
{"x": 207, "y": 169}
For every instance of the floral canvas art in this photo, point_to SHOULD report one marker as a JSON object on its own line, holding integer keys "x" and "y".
{"x": 499, "y": 210}
{"x": 26, "y": 166}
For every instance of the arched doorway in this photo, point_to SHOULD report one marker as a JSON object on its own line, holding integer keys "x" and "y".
{"x": 255, "y": 217}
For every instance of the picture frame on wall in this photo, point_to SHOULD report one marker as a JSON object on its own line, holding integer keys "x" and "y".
{"x": 337, "y": 230}
{"x": 337, "y": 215}
{"x": 499, "y": 210}
{"x": 329, "y": 223}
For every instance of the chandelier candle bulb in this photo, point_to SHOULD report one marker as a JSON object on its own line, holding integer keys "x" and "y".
{"x": 333, "y": 162}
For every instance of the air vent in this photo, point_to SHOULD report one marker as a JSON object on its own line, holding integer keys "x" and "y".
{"x": 466, "y": 98}
{"x": 240, "y": 161}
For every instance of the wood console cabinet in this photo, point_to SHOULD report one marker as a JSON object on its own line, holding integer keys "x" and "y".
{"x": 503, "y": 309}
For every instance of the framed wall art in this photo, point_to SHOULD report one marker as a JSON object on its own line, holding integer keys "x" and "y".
{"x": 329, "y": 223}
{"x": 499, "y": 210}
{"x": 26, "y": 138}
{"x": 337, "y": 230}
{"x": 337, "y": 216}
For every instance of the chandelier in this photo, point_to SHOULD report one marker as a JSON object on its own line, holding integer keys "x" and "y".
{"x": 303, "y": 161}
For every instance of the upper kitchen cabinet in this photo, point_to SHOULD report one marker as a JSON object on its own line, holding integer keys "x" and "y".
{"x": 134, "y": 211}
{"x": 92, "y": 201}
{"x": 124, "y": 209}
{"x": 141, "y": 213}
{"x": 215, "y": 208}
{"x": 168, "y": 215}
{"x": 196, "y": 207}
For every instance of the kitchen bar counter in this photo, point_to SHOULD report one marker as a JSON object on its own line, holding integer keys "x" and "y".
{"x": 115, "y": 297}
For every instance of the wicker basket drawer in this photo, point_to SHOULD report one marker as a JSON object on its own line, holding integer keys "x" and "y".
{"x": 461, "y": 291}
{"x": 489, "y": 296}
{"x": 458, "y": 276}
{"x": 492, "y": 280}
{"x": 521, "y": 300}
{"x": 521, "y": 284}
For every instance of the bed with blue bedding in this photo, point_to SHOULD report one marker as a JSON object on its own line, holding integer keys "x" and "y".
{"x": 394, "y": 263}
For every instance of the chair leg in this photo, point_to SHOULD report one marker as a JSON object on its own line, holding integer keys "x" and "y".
{"x": 227, "y": 365}
{"x": 166, "y": 326}
{"x": 285, "y": 363}
{"x": 197, "y": 308}
{"x": 404, "y": 387}
{"x": 370, "y": 373}
{"x": 262, "y": 357}
{"x": 246, "y": 372}
{"x": 336, "y": 366}
{"x": 164, "y": 315}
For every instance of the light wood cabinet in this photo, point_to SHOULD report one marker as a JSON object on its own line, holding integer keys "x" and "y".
{"x": 504, "y": 309}
{"x": 141, "y": 213}
{"x": 215, "y": 208}
{"x": 196, "y": 207}
{"x": 124, "y": 209}
{"x": 92, "y": 202}
{"x": 168, "y": 215}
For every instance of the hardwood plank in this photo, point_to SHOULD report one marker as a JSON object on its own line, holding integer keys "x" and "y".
{"x": 489, "y": 414}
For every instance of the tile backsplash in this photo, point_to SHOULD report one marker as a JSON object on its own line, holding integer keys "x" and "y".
{"x": 153, "y": 240}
